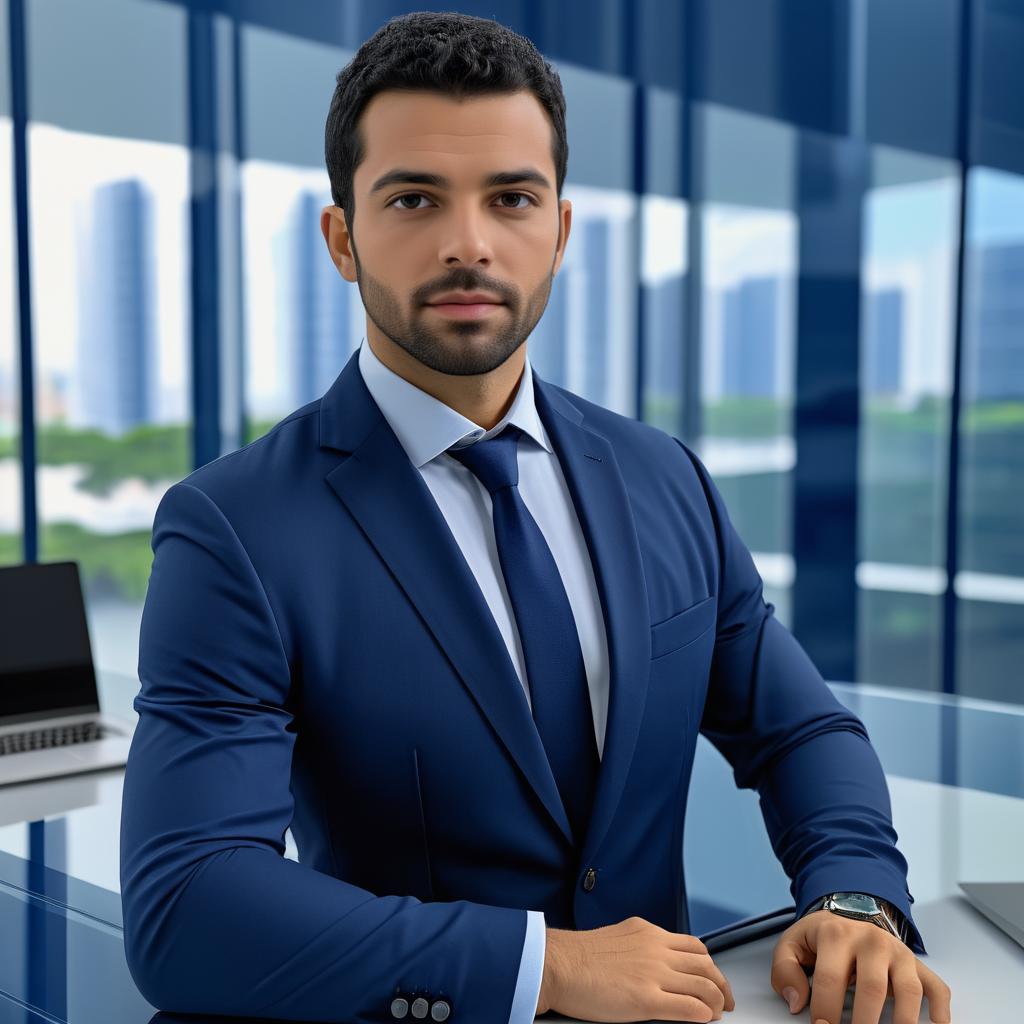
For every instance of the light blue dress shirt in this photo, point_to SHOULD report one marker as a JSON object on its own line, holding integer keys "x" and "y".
{"x": 426, "y": 428}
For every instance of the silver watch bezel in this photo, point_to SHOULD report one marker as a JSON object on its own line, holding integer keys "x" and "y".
{"x": 878, "y": 916}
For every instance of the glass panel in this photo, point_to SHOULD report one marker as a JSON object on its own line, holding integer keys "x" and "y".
{"x": 990, "y": 583}
{"x": 907, "y": 330}
{"x": 586, "y": 339}
{"x": 748, "y": 332}
{"x": 664, "y": 264}
{"x": 109, "y": 246}
{"x": 303, "y": 319}
{"x": 663, "y": 276}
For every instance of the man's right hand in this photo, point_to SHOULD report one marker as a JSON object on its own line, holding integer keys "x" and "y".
{"x": 631, "y": 971}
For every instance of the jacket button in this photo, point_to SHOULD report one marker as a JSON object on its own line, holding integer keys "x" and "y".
{"x": 420, "y": 1007}
{"x": 589, "y": 879}
{"x": 399, "y": 1008}
{"x": 440, "y": 1010}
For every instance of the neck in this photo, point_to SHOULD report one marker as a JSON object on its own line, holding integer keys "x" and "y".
{"x": 483, "y": 398}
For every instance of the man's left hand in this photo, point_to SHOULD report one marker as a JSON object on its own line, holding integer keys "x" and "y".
{"x": 842, "y": 950}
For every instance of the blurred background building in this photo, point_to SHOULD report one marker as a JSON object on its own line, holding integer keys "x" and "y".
{"x": 798, "y": 245}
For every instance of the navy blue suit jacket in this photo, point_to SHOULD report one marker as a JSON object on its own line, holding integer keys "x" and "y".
{"x": 315, "y": 653}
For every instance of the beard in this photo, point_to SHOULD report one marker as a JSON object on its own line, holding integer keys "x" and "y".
{"x": 460, "y": 348}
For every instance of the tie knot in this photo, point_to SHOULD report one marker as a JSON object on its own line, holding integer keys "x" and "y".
{"x": 493, "y": 462}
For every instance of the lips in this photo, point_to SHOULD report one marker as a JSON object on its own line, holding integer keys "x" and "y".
{"x": 466, "y": 310}
{"x": 466, "y": 299}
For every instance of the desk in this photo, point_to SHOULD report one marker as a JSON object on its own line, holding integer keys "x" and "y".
{"x": 60, "y": 914}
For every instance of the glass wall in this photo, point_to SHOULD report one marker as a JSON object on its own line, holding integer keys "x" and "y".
{"x": 911, "y": 225}
{"x": 109, "y": 240}
{"x": 990, "y": 581}
{"x": 748, "y": 259}
{"x": 303, "y": 319}
{"x": 766, "y": 234}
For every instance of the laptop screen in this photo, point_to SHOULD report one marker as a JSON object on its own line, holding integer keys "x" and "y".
{"x": 46, "y": 667}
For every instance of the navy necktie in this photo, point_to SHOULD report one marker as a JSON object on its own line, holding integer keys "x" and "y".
{"x": 547, "y": 630}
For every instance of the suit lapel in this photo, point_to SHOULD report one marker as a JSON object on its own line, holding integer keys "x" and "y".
{"x": 390, "y": 501}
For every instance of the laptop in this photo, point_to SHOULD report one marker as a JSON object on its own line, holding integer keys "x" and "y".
{"x": 50, "y": 718}
{"x": 1001, "y": 902}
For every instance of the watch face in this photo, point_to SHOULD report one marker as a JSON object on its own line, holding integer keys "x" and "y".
{"x": 857, "y": 902}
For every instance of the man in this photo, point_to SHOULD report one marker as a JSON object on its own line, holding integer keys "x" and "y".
{"x": 459, "y": 628}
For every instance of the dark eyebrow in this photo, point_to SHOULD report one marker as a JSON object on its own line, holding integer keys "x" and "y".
{"x": 403, "y": 176}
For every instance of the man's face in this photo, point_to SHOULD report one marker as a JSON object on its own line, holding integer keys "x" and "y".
{"x": 419, "y": 240}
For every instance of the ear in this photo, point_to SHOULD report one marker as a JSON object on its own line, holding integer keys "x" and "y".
{"x": 564, "y": 224}
{"x": 334, "y": 226}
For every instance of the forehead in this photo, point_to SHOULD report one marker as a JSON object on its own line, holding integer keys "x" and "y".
{"x": 414, "y": 127}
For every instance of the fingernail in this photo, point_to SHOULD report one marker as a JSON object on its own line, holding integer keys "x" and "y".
{"x": 791, "y": 997}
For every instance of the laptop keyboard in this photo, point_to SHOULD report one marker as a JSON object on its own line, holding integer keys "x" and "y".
{"x": 54, "y": 736}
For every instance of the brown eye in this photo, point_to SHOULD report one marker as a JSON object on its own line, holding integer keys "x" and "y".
{"x": 522, "y": 195}
{"x": 408, "y": 195}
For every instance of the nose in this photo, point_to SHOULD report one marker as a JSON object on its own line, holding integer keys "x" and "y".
{"x": 464, "y": 237}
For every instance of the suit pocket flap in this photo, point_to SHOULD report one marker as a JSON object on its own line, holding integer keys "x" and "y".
{"x": 683, "y": 627}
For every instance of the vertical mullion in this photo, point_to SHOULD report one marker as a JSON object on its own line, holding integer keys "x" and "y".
{"x": 202, "y": 126}
{"x": 238, "y": 142}
{"x": 640, "y": 131}
{"x": 692, "y": 146}
{"x": 949, "y": 599}
{"x": 19, "y": 122}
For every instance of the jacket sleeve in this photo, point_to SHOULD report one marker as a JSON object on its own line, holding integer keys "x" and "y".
{"x": 770, "y": 713}
{"x": 216, "y": 919}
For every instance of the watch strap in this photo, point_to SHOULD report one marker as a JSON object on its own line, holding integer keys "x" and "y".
{"x": 891, "y": 919}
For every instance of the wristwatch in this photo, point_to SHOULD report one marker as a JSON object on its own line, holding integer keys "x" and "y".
{"x": 863, "y": 907}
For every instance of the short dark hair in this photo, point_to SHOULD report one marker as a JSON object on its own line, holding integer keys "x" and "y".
{"x": 447, "y": 52}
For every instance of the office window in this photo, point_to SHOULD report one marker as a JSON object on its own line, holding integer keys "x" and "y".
{"x": 990, "y": 583}
{"x": 586, "y": 339}
{"x": 302, "y": 318}
{"x": 664, "y": 263}
{"x": 109, "y": 202}
{"x": 748, "y": 249}
{"x": 907, "y": 328}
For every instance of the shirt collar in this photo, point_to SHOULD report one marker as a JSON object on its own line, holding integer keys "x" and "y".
{"x": 426, "y": 427}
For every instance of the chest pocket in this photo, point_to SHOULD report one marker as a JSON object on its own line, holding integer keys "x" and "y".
{"x": 683, "y": 628}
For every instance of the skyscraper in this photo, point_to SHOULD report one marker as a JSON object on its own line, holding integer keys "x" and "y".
{"x": 995, "y": 297}
{"x": 750, "y": 338}
{"x": 883, "y": 340}
{"x": 115, "y": 378}
{"x": 321, "y": 312}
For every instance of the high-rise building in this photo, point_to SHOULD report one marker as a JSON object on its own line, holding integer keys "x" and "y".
{"x": 750, "y": 331}
{"x": 995, "y": 322}
{"x": 321, "y": 311}
{"x": 883, "y": 341}
{"x": 548, "y": 342}
{"x": 596, "y": 244}
{"x": 114, "y": 381}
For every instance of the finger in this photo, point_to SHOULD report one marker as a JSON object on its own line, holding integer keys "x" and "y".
{"x": 907, "y": 991}
{"x": 789, "y": 978}
{"x": 685, "y": 943}
{"x": 672, "y": 1006}
{"x": 730, "y": 1001}
{"x": 830, "y": 981}
{"x": 695, "y": 985}
{"x": 872, "y": 987}
{"x": 696, "y": 963}
{"x": 937, "y": 991}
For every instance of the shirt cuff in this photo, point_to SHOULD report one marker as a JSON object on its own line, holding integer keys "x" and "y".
{"x": 531, "y": 970}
